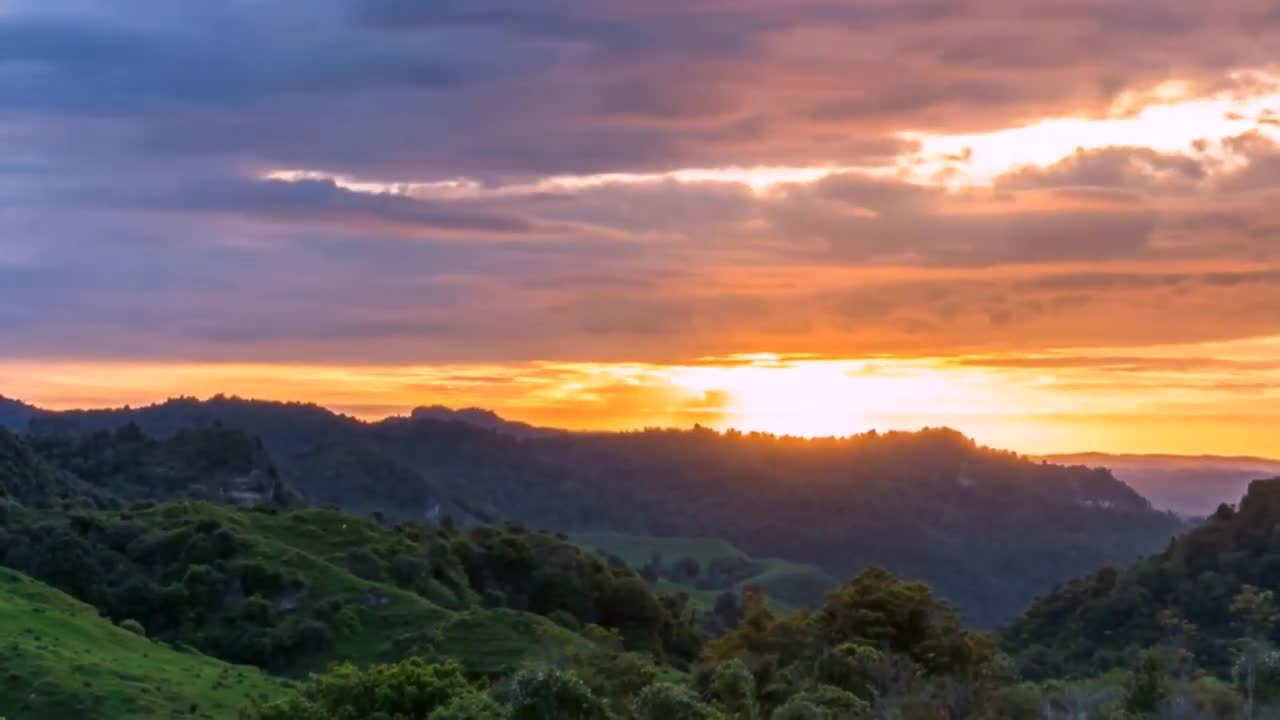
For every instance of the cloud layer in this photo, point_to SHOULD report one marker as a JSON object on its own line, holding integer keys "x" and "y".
{"x": 498, "y": 181}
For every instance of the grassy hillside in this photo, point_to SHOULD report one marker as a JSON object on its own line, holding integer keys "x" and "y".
{"x": 637, "y": 550}
{"x": 786, "y": 585}
{"x": 284, "y": 594}
{"x": 59, "y": 659}
{"x": 294, "y": 591}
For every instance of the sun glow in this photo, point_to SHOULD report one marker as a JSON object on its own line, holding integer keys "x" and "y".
{"x": 1155, "y": 399}
{"x": 816, "y": 397}
{"x": 1165, "y": 119}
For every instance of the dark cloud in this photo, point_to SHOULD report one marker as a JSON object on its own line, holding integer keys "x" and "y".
{"x": 1114, "y": 168}
{"x": 436, "y": 89}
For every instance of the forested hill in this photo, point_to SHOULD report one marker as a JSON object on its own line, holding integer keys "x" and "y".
{"x": 990, "y": 530}
{"x": 1188, "y": 596}
{"x": 110, "y": 469}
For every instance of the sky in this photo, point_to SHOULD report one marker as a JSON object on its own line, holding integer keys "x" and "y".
{"x": 1052, "y": 225}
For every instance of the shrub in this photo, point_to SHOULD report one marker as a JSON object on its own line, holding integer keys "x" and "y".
{"x": 798, "y": 709}
{"x": 664, "y": 701}
{"x": 258, "y": 579}
{"x": 553, "y": 695}
{"x": 734, "y": 689}
{"x": 410, "y": 689}
{"x": 407, "y": 571}
{"x": 366, "y": 566}
{"x": 472, "y": 707}
{"x": 259, "y": 611}
{"x": 835, "y": 702}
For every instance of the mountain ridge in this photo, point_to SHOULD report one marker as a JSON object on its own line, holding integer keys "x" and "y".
{"x": 1190, "y": 485}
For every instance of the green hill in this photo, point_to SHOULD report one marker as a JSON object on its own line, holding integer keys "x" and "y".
{"x": 294, "y": 591}
{"x": 211, "y": 463}
{"x": 717, "y": 566}
{"x": 59, "y": 659}
{"x": 637, "y": 550}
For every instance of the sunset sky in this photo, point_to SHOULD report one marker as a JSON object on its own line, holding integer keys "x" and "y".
{"x": 1052, "y": 224}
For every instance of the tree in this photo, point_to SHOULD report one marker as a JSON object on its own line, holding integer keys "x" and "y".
{"x": 472, "y": 706}
{"x": 614, "y": 676}
{"x": 553, "y": 695}
{"x": 1255, "y": 613}
{"x": 823, "y": 703}
{"x": 880, "y": 610}
{"x": 667, "y": 701}
{"x": 410, "y": 690}
{"x": 850, "y": 667}
{"x": 734, "y": 689}
{"x": 1148, "y": 687}
{"x": 727, "y": 610}
{"x": 799, "y": 709}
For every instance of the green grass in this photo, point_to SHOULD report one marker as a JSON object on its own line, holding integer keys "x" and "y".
{"x": 394, "y": 623}
{"x": 491, "y": 641}
{"x": 786, "y": 585}
{"x": 59, "y": 660}
{"x": 637, "y": 549}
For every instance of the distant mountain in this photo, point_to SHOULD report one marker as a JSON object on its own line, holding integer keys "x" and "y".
{"x": 1191, "y": 485}
{"x": 110, "y": 469}
{"x": 990, "y": 530}
{"x": 1181, "y": 596}
{"x": 214, "y": 463}
{"x": 285, "y": 428}
{"x": 486, "y": 419}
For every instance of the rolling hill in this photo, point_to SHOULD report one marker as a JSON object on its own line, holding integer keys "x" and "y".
{"x": 716, "y": 567}
{"x": 61, "y": 660}
{"x": 294, "y": 591}
{"x": 990, "y": 530}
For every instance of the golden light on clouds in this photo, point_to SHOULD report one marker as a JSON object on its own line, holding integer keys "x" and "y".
{"x": 1153, "y": 399}
{"x": 759, "y": 180}
{"x": 1166, "y": 119}
{"x": 989, "y": 219}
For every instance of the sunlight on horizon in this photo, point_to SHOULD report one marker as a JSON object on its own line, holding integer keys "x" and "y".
{"x": 1121, "y": 400}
